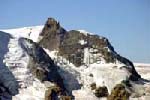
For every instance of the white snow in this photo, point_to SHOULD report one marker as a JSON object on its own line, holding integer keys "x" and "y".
{"x": 86, "y": 56}
{"x": 27, "y": 32}
{"x": 83, "y": 94}
{"x": 85, "y": 32}
{"x": 17, "y": 61}
{"x": 91, "y": 57}
{"x": 82, "y": 42}
{"x": 142, "y": 64}
{"x": 33, "y": 92}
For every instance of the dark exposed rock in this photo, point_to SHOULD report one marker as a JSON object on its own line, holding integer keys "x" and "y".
{"x": 119, "y": 93}
{"x": 101, "y": 92}
{"x": 65, "y": 98}
{"x": 52, "y": 34}
{"x": 93, "y": 86}
{"x": 74, "y": 51}
{"x": 51, "y": 92}
{"x": 55, "y": 91}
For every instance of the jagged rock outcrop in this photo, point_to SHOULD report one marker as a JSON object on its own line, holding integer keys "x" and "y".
{"x": 82, "y": 48}
{"x": 8, "y": 84}
{"x": 75, "y": 45}
{"x": 119, "y": 93}
{"x": 52, "y": 35}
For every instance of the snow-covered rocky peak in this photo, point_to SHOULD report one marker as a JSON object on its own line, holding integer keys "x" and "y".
{"x": 81, "y": 49}
{"x": 49, "y": 63}
{"x": 85, "y": 50}
{"x": 51, "y": 33}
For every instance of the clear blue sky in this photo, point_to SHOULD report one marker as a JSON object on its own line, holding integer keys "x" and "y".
{"x": 125, "y": 22}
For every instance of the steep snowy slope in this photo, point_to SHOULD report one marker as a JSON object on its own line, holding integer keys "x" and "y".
{"x": 16, "y": 61}
{"x": 28, "y": 32}
{"x": 8, "y": 83}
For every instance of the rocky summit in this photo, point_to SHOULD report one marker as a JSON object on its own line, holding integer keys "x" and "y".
{"x": 74, "y": 45}
{"x": 51, "y": 63}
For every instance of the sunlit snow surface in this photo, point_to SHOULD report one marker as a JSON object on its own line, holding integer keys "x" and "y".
{"x": 28, "y": 32}
{"x": 85, "y": 32}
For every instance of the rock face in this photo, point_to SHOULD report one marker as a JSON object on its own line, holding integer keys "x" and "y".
{"x": 8, "y": 84}
{"x": 80, "y": 48}
{"x": 51, "y": 35}
{"x": 119, "y": 93}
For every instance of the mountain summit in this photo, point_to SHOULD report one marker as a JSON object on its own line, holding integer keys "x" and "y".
{"x": 75, "y": 45}
{"x": 50, "y": 63}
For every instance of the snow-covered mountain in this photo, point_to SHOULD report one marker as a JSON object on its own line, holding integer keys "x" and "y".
{"x": 49, "y": 63}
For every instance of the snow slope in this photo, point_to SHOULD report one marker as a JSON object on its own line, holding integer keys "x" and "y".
{"x": 17, "y": 60}
{"x": 85, "y": 32}
{"x": 28, "y": 32}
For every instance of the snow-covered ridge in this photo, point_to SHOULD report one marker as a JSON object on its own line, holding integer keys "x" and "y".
{"x": 31, "y": 32}
{"x": 85, "y": 32}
